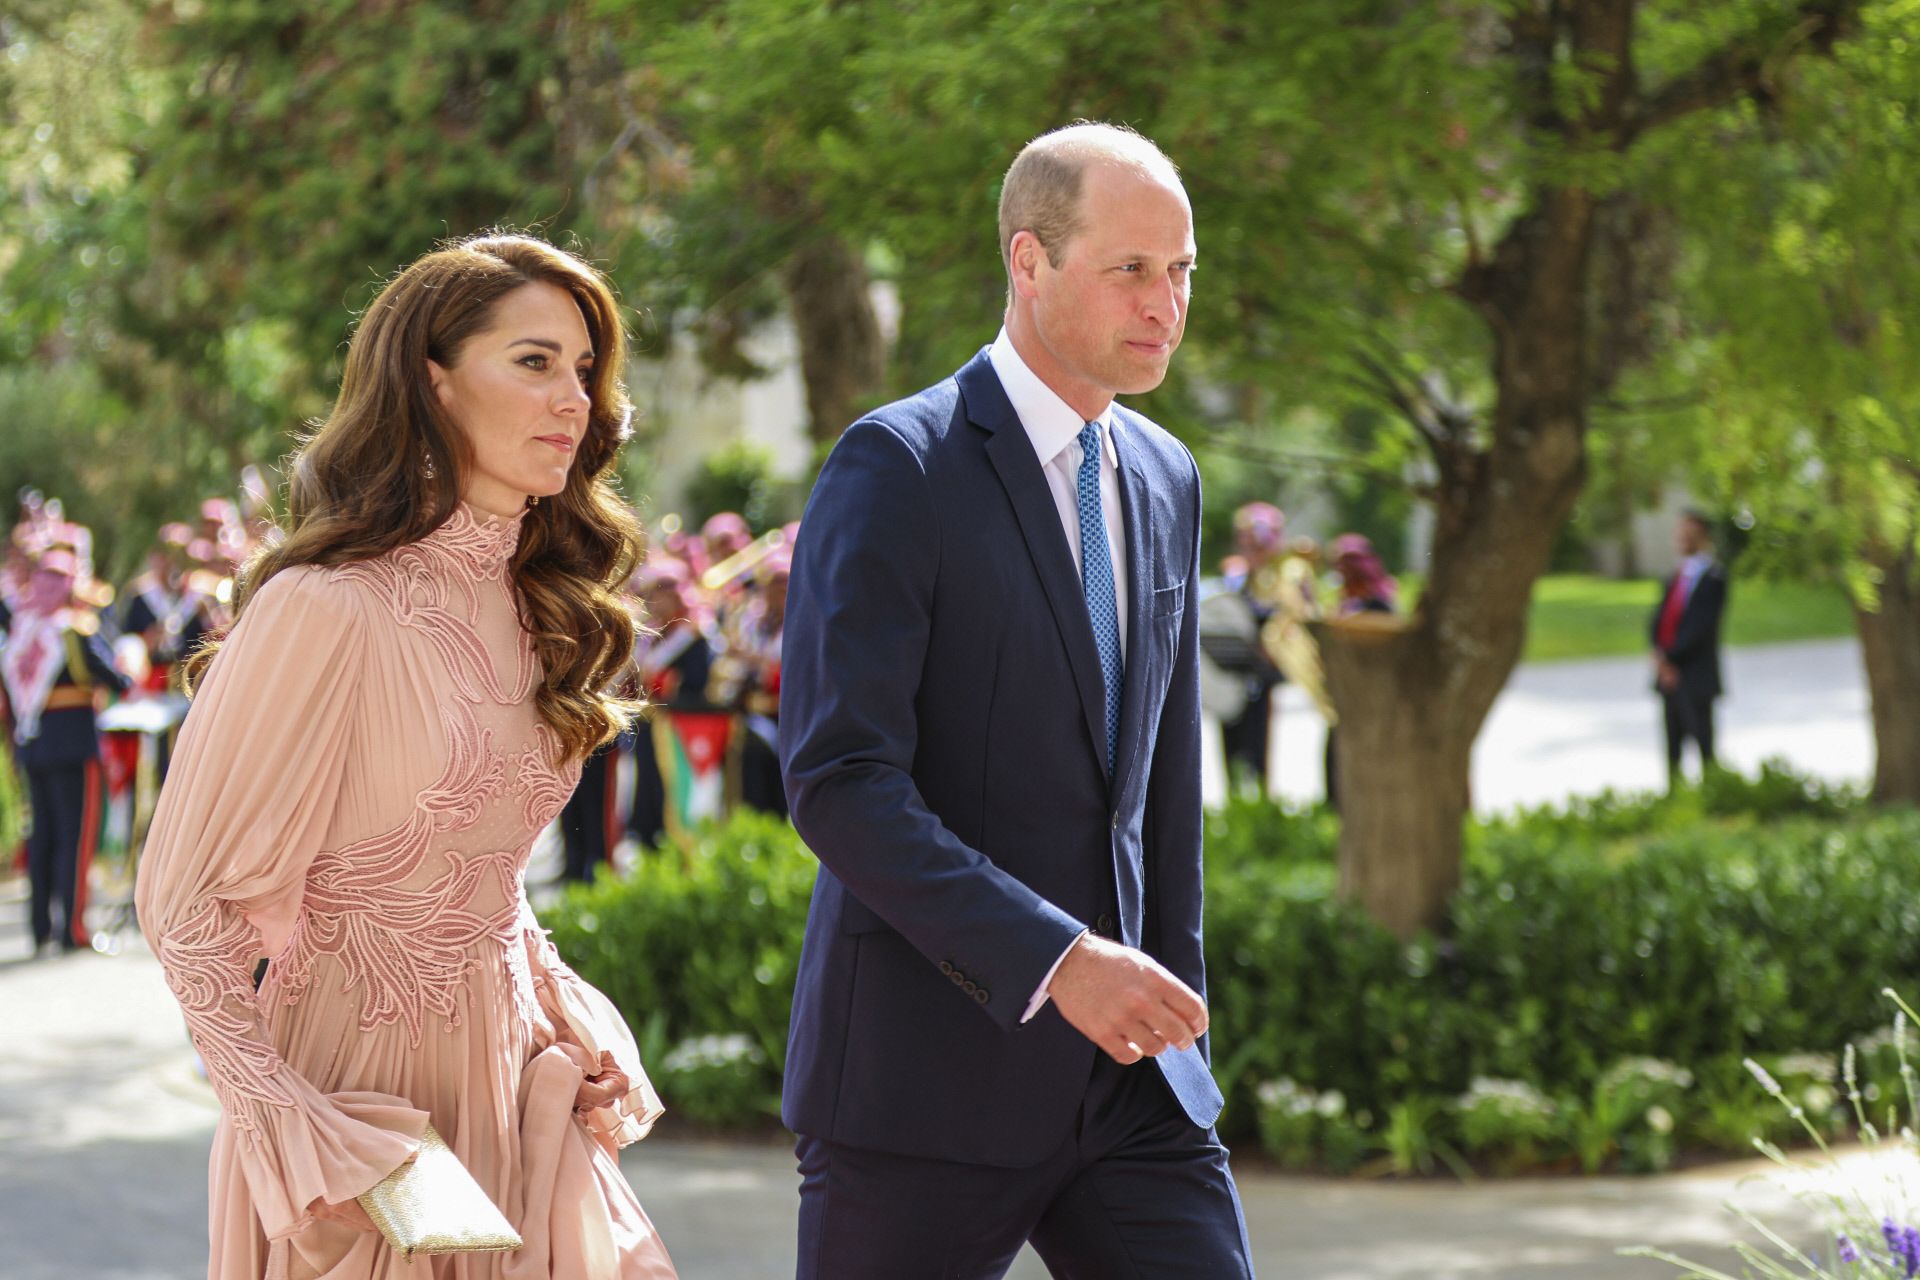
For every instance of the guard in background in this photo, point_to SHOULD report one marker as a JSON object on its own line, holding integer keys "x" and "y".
{"x": 746, "y": 678}
{"x": 54, "y": 666}
{"x": 1685, "y": 630}
{"x": 674, "y": 661}
{"x": 1259, "y": 536}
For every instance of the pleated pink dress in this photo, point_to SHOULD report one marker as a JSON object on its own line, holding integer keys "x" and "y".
{"x": 354, "y": 795}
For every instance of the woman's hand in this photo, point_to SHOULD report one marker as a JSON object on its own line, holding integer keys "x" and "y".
{"x": 347, "y": 1214}
{"x": 609, "y": 1086}
{"x": 350, "y": 1213}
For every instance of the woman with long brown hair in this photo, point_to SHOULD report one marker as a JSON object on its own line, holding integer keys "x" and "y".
{"x": 403, "y": 703}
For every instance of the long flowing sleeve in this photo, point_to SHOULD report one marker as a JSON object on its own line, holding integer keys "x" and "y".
{"x": 250, "y": 795}
{"x": 583, "y": 1016}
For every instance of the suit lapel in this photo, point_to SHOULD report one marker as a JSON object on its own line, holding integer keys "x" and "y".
{"x": 1133, "y": 515}
{"x": 1011, "y": 453}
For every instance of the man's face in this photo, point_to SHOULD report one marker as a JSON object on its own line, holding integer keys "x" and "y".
{"x": 49, "y": 589}
{"x": 1111, "y": 314}
{"x": 1690, "y": 536}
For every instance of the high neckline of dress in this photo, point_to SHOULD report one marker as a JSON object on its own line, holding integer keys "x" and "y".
{"x": 479, "y": 537}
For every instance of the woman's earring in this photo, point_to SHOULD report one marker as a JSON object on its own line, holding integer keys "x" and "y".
{"x": 426, "y": 465}
{"x": 533, "y": 500}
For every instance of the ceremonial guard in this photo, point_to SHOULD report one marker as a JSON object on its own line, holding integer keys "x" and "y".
{"x": 681, "y": 745}
{"x": 746, "y": 677}
{"x": 54, "y": 667}
{"x": 1259, "y": 534}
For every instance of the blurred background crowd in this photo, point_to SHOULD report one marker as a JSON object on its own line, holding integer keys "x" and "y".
{"x": 93, "y": 690}
{"x": 713, "y": 599}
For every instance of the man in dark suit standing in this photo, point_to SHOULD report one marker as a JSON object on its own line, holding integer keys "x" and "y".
{"x": 991, "y": 738}
{"x": 1686, "y": 642}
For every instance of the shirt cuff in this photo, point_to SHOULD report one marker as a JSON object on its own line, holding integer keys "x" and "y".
{"x": 1040, "y": 996}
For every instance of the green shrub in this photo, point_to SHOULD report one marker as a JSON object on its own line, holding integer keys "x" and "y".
{"x": 1508, "y": 1122}
{"x": 1630, "y": 1113}
{"x": 13, "y": 806}
{"x": 699, "y": 942}
{"x": 718, "y": 1080}
{"x": 1618, "y": 958}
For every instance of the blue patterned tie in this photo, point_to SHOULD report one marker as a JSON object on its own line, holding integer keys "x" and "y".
{"x": 1096, "y": 580}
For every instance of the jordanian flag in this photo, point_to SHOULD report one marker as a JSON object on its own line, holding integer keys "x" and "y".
{"x": 691, "y": 747}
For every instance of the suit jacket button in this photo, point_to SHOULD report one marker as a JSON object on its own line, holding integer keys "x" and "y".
{"x": 1104, "y": 926}
{"x": 969, "y": 987}
{"x": 980, "y": 996}
{"x": 958, "y": 978}
{"x": 945, "y": 967}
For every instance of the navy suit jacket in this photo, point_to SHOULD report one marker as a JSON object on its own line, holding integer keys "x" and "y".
{"x": 1696, "y": 642}
{"x": 944, "y": 747}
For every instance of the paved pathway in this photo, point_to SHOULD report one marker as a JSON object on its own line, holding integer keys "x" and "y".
{"x": 103, "y": 1121}
{"x": 1576, "y": 728}
{"x": 104, "y": 1126}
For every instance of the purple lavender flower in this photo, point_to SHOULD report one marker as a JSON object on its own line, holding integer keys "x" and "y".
{"x": 1847, "y": 1252}
{"x": 1903, "y": 1243}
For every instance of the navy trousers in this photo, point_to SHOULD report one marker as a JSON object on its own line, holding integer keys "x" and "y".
{"x": 1688, "y": 715}
{"x": 586, "y": 823}
{"x": 57, "y": 849}
{"x": 1137, "y": 1193}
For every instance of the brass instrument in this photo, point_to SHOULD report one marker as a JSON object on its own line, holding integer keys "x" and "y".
{"x": 735, "y": 668}
{"x": 744, "y": 561}
{"x": 1286, "y": 587}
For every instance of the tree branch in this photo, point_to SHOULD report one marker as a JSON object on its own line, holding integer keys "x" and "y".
{"x": 1280, "y": 461}
{"x": 1741, "y": 68}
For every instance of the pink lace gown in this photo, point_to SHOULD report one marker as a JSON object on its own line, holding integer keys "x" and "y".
{"x": 354, "y": 795}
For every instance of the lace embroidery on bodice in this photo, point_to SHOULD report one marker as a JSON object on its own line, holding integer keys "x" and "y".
{"x": 399, "y": 912}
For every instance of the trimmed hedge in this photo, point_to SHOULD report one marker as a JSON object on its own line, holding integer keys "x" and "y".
{"x": 1597, "y": 955}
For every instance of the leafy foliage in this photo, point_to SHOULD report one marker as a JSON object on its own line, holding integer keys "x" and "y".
{"x": 1616, "y": 958}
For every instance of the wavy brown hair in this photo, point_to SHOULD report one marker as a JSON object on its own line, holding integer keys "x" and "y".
{"x": 360, "y": 485}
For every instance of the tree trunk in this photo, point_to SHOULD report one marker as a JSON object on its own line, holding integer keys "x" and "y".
{"x": 1412, "y": 698}
{"x": 1890, "y": 650}
{"x": 1403, "y": 779}
{"x": 1411, "y": 701}
{"x": 841, "y": 358}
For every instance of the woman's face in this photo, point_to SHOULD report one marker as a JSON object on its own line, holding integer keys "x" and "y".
{"x": 518, "y": 389}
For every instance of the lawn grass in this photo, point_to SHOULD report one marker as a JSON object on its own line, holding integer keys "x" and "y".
{"x": 1579, "y": 616}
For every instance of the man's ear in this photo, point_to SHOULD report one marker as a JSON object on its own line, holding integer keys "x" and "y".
{"x": 1025, "y": 256}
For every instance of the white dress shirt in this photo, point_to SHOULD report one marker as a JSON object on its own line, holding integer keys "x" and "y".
{"x": 1691, "y": 570}
{"x": 1054, "y": 428}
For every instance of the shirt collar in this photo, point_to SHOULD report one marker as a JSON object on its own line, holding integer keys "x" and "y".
{"x": 1051, "y": 422}
{"x": 1696, "y": 564}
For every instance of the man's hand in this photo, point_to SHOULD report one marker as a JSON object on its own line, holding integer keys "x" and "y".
{"x": 1669, "y": 676}
{"x": 1125, "y": 1001}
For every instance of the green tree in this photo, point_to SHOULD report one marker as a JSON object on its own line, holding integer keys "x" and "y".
{"x": 1442, "y": 210}
{"x": 1802, "y": 353}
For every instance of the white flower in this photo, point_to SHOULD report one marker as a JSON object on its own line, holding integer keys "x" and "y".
{"x": 1514, "y": 1097}
{"x": 703, "y": 1052}
{"x": 1813, "y": 1066}
{"x": 1657, "y": 1071}
{"x": 1286, "y": 1096}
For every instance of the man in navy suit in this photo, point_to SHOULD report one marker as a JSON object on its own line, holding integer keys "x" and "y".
{"x": 1685, "y": 630}
{"x": 990, "y": 731}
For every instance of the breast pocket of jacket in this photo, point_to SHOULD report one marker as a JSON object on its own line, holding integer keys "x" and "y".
{"x": 1169, "y": 601}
